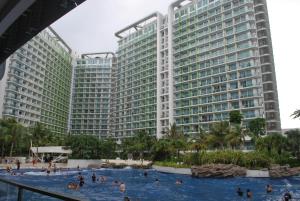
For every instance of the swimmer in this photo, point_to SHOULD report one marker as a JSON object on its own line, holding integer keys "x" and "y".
{"x": 48, "y": 171}
{"x": 94, "y": 178}
{"x": 115, "y": 183}
{"x": 178, "y": 182}
{"x": 156, "y": 181}
{"x": 126, "y": 198}
{"x": 73, "y": 186}
{"x": 18, "y": 164}
{"x": 249, "y": 194}
{"x": 8, "y": 168}
{"x": 79, "y": 175}
{"x": 287, "y": 196}
{"x": 240, "y": 192}
{"x": 145, "y": 174}
{"x": 81, "y": 181}
{"x": 122, "y": 187}
{"x": 103, "y": 179}
{"x": 269, "y": 188}
{"x": 54, "y": 168}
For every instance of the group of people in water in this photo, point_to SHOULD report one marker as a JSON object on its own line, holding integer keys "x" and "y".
{"x": 286, "y": 197}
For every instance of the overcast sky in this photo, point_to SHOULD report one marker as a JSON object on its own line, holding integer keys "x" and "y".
{"x": 91, "y": 26}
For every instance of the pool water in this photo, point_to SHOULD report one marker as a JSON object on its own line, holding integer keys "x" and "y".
{"x": 139, "y": 187}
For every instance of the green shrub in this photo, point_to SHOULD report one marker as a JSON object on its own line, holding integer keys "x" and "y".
{"x": 248, "y": 160}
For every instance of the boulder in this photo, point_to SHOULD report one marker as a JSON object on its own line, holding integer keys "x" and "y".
{"x": 277, "y": 171}
{"x": 218, "y": 170}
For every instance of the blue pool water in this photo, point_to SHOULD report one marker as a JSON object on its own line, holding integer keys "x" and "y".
{"x": 143, "y": 188}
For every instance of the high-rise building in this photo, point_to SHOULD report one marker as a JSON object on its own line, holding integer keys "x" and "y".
{"x": 37, "y": 83}
{"x": 195, "y": 65}
{"x": 92, "y": 100}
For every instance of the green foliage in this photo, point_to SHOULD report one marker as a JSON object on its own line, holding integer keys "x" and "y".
{"x": 171, "y": 164}
{"x": 91, "y": 147}
{"x": 257, "y": 127}
{"x": 139, "y": 145}
{"x": 217, "y": 134}
{"x": 162, "y": 150}
{"x": 235, "y": 117}
{"x": 249, "y": 160}
{"x": 293, "y": 140}
{"x": 13, "y": 138}
{"x": 273, "y": 143}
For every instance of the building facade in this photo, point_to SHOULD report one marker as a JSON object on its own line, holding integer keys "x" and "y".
{"x": 198, "y": 63}
{"x": 92, "y": 100}
{"x": 37, "y": 83}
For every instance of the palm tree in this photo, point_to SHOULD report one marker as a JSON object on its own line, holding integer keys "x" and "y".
{"x": 172, "y": 132}
{"x": 296, "y": 114}
{"x": 257, "y": 127}
{"x": 235, "y": 117}
{"x": 177, "y": 139}
{"x": 217, "y": 133}
{"x": 236, "y": 136}
{"x": 199, "y": 140}
{"x": 293, "y": 137}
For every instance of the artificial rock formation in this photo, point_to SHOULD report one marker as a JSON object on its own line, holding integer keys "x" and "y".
{"x": 218, "y": 170}
{"x": 283, "y": 171}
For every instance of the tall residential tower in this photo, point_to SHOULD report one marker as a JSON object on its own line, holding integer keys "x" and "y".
{"x": 195, "y": 65}
{"x": 37, "y": 83}
{"x": 92, "y": 95}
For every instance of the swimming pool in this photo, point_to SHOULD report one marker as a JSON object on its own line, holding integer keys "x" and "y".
{"x": 139, "y": 187}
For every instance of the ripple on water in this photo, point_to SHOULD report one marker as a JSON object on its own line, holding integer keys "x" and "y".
{"x": 139, "y": 187}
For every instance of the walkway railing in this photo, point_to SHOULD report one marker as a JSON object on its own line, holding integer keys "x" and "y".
{"x": 11, "y": 190}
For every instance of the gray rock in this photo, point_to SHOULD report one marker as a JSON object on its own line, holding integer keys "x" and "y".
{"x": 218, "y": 170}
{"x": 278, "y": 171}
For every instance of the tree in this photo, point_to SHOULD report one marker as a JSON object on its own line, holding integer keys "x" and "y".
{"x": 217, "y": 133}
{"x": 273, "y": 143}
{"x": 13, "y": 130}
{"x": 139, "y": 144}
{"x": 162, "y": 150}
{"x": 199, "y": 141}
{"x": 40, "y": 136}
{"x": 296, "y": 114}
{"x": 235, "y": 117}
{"x": 257, "y": 127}
{"x": 236, "y": 136}
{"x": 173, "y": 133}
{"x": 293, "y": 140}
{"x": 177, "y": 139}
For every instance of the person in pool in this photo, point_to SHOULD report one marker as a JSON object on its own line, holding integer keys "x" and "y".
{"x": 178, "y": 182}
{"x": 103, "y": 179}
{"x": 81, "y": 181}
{"x": 249, "y": 194}
{"x": 239, "y": 192}
{"x": 115, "y": 183}
{"x": 145, "y": 174}
{"x": 48, "y": 171}
{"x": 94, "y": 178}
{"x": 287, "y": 196}
{"x": 122, "y": 187}
{"x": 269, "y": 188}
{"x": 73, "y": 186}
{"x": 126, "y": 198}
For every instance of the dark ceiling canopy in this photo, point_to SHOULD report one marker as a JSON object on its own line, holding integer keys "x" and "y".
{"x": 20, "y": 20}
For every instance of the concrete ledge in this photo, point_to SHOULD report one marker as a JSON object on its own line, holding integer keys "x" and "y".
{"x": 186, "y": 171}
{"x": 258, "y": 173}
{"x": 73, "y": 163}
